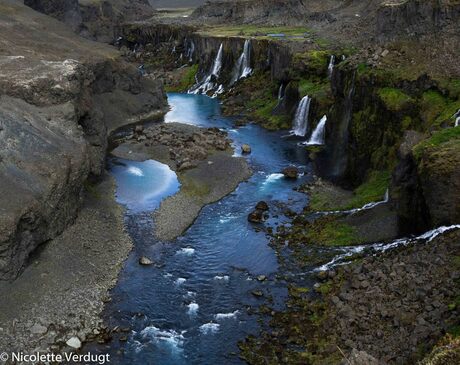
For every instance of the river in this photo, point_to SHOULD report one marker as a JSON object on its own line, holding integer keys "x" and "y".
{"x": 195, "y": 303}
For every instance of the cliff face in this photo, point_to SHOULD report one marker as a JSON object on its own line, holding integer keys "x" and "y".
{"x": 258, "y": 12}
{"x": 60, "y": 97}
{"x": 98, "y": 20}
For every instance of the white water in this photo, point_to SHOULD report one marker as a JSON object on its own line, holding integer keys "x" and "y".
{"x": 382, "y": 247}
{"x": 318, "y": 135}
{"x": 208, "y": 84}
{"x": 281, "y": 92}
{"x": 209, "y": 328}
{"x": 301, "y": 117}
{"x": 242, "y": 67}
{"x": 220, "y": 316}
{"x": 187, "y": 251}
{"x": 192, "y": 309}
{"x": 135, "y": 171}
{"x": 170, "y": 337}
{"x": 457, "y": 116}
{"x": 330, "y": 68}
{"x": 190, "y": 51}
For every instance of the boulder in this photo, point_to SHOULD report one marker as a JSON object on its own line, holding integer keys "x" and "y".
{"x": 257, "y": 216}
{"x": 246, "y": 149}
{"x": 74, "y": 342}
{"x": 291, "y": 172}
{"x": 145, "y": 261}
{"x": 262, "y": 206}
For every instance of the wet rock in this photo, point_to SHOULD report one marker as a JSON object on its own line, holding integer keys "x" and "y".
{"x": 261, "y": 278}
{"x": 246, "y": 149}
{"x": 291, "y": 172}
{"x": 257, "y": 293}
{"x": 257, "y": 216}
{"x": 74, "y": 342}
{"x": 145, "y": 261}
{"x": 262, "y": 206}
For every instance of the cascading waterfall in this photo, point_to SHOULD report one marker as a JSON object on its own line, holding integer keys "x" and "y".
{"x": 281, "y": 92}
{"x": 301, "y": 117}
{"x": 330, "y": 68}
{"x": 208, "y": 84}
{"x": 242, "y": 67}
{"x": 457, "y": 116}
{"x": 190, "y": 50}
{"x": 317, "y": 137}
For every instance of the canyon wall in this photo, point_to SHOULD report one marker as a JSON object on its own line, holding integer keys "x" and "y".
{"x": 60, "y": 97}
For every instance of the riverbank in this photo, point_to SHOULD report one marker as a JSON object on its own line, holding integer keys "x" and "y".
{"x": 394, "y": 306}
{"x": 203, "y": 161}
{"x": 61, "y": 293}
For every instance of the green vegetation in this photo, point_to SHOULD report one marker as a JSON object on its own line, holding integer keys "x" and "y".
{"x": 254, "y": 31}
{"x": 446, "y": 115}
{"x": 444, "y": 136}
{"x": 329, "y": 232}
{"x": 186, "y": 81}
{"x": 432, "y": 105}
{"x": 373, "y": 189}
{"x": 394, "y": 99}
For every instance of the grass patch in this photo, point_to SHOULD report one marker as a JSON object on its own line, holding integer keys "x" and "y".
{"x": 254, "y": 31}
{"x": 437, "y": 139}
{"x": 329, "y": 232}
{"x": 186, "y": 81}
{"x": 394, "y": 99}
{"x": 431, "y": 106}
{"x": 372, "y": 190}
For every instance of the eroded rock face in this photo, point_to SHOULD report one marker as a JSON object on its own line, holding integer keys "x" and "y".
{"x": 55, "y": 92}
{"x": 426, "y": 185}
{"x": 93, "y": 19}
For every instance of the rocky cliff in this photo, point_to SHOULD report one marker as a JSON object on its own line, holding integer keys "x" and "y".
{"x": 98, "y": 20}
{"x": 60, "y": 97}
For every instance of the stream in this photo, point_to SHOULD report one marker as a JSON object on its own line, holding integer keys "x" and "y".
{"x": 195, "y": 303}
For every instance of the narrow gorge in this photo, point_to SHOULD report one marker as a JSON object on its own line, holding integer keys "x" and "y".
{"x": 262, "y": 182}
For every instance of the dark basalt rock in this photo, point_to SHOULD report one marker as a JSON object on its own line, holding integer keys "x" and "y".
{"x": 262, "y": 206}
{"x": 291, "y": 172}
{"x": 257, "y": 216}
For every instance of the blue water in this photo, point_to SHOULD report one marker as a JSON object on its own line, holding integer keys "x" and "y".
{"x": 194, "y": 304}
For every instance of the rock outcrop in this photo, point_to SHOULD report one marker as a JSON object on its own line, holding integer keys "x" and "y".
{"x": 59, "y": 95}
{"x": 98, "y": 20}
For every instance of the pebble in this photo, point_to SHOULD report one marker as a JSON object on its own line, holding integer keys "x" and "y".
{"x": 145, "y": 261}
{"x": 74, "y": 342}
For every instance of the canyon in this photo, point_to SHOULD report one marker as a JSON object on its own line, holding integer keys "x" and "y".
{"x": 366, "y": 92}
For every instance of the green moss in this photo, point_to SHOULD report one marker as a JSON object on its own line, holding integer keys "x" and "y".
{"x": 446, "y": 116}
{"x": 431, "y": 106}
{"x": 186, "y": 81}
{"x": 314, "y": 88}
{"x": 394, "y": 99}
{"x": 437, "y": 139}
{"x": 254, "y": 31}
{"x": 332, "y": 233}
{"x": 372, "y": 190}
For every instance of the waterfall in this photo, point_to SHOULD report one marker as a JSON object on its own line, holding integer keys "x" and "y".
{"x": 317, "y": 137}
{"x": 281, "y": 92}
{"x": 330, "y": 68}
{"x": 208, "y": 84}
{"x": 242, "y": 67}
{"x": 301, "y": 117}
{"x": 190, "y": 50}
{"x": 457, "y": 115}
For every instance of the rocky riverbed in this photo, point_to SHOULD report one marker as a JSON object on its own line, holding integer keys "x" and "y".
{"x": 61, "y": 293}
{"x": 202, "y": 158}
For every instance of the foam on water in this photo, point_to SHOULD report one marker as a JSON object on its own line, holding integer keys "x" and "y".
{"x": 209, "y": 328}
{"x": 180, "y": 281}
{"x": 220, "y": 316}
{"x": 171, "y": 338}
{"x": 187, "y": 251}
{"x": 192, "y": 309}
{"x": 223, "y": 278}
{"x": 135, "y": 171}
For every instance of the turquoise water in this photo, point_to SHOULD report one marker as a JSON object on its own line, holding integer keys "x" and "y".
{"x": 195, "y": 303}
